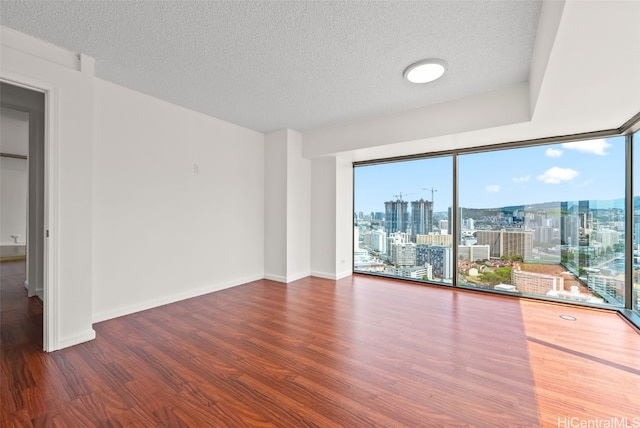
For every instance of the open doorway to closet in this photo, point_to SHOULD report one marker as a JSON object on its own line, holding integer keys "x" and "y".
{"x": 22, "y": 229}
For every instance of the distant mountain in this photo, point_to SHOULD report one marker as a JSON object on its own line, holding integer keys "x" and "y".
{"x": 599, "y": 204}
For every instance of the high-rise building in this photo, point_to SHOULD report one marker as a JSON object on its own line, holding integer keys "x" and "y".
{"x": 607, "y": 237}
{"x": 491, "y": 238}
{"x": 586, "y": 216}
{"x": 421, "y": 218}
{"x": 540, "y": 218}
{"x": 507, "y": 242}
{"x": 473, "y": 252}
{"x": 611, "y": 289}
{"x": 379, "y": 241}
{"x": 434, "y": 239}
{"x": 438, "y": 257}
{"x": 396, "y": 216}
{"x": 543, "y": 234}
{"x": 415, "y": 272}
{"x": 469, "y": 223}
{"x": 366, "y": 239}
{"x": 536, "y": 283}
{"x": 398, "y": 238}
{"x": 403, "y": 254}
{"x": 569, "y": 225}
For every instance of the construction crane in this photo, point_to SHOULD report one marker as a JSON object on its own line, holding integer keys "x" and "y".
{"x": 433, "y": 190}
{"x": 400, "y": 195}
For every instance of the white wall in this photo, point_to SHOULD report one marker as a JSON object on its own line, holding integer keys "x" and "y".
{"x": 178, "y": 203}
{"x": 323, "y": 217}
{"x": 331, "y": 217}
{"x": 14, "y": 139}
{"x": 288, "y": 207}
{"x": 149, "y": 202}
{"x": 275, "y": 213}
{"x": 68, "y": 78}
{"x": 344, "y": 218}
{"x": 497, "y": 108}
{"x": 298, "y": 210}
{"x": 548, "y": 24}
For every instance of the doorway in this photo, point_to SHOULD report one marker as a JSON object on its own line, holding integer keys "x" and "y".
{"x": 22, "y": 227}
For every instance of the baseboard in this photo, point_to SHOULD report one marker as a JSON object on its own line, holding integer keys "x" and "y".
{"x": 286, "y": 279}
{"x": 344, "y": 274}
{"x": 277, "y": 278}
{"x": 165, "y": 300}
{"x": 297, "y": 276}
{"x": 333, "y": 276}
{"x": 13, "y": 252}
{"x": 76, "y": 339}
{"x": 325, "y": 275}
{"x": 12, "y": 258}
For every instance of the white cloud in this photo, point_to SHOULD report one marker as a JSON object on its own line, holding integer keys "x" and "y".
{"x": 557, "y": 175}
{"x": 553, "y": 153}
{"x": 596, "y": 147}
{"x": 521, "y": 179}
{"x": 493, "y": 188}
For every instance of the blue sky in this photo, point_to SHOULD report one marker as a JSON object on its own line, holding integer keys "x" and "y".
{"x": 590, "y": 169}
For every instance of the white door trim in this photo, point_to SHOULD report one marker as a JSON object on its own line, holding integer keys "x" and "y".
{"x": 51, "y": 298}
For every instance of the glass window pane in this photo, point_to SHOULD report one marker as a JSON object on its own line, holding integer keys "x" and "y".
{"x": 401, "y": 219}
{"x": 545, "y": 220}
{"x": 636, "y": 223}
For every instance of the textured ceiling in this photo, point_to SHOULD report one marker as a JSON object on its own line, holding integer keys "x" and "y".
{"x": 291, "y": 64}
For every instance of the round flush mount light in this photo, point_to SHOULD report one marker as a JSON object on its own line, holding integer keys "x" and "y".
{"x": 425, "y": 71}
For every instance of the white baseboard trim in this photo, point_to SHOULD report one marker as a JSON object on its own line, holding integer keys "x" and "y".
{"x": 31, "y": 293}
{"x": 344, "y": 274}
{"x": 75, "y": 339}
{"x": 277, "y": 278}
{"x": 325, "y": 275}
{"x": 165, "y": 300}
{"x": 333, "y": 276}
{"x": 297, "y": 276}
{"x": 286, "y": 279}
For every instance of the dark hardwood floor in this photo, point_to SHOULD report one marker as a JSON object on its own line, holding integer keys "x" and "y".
{"x": 357, "y": 352}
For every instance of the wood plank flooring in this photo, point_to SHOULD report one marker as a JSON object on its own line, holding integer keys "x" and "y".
{"x": 358, "y": 352}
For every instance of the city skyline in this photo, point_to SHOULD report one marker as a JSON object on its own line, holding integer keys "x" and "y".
{"x": 583, "y": 170}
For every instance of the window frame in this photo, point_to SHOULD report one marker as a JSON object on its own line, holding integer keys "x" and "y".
{"x": 626, "y": 130}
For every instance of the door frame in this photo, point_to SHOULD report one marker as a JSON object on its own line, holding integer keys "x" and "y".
{"x": 51, "y": 294}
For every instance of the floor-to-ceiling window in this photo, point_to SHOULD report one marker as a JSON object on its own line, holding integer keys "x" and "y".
{"x": 636, "y": 224}
{"x": 402, "y": 224}
{"x": 548, "y": 219}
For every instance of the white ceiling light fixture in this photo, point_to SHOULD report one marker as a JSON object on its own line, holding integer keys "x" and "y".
{"x": 425, "y": 71}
